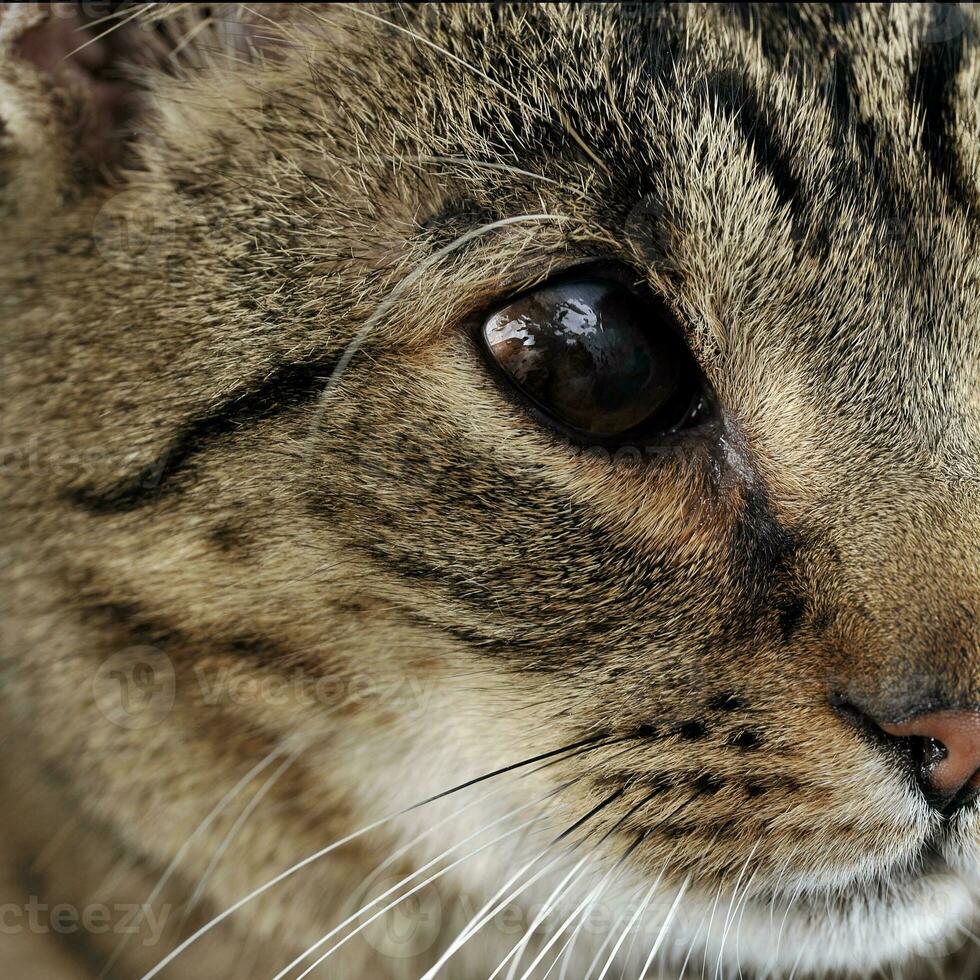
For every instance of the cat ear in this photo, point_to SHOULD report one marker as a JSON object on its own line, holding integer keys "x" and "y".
{"x": 74, "y": 82}
{"x": 62, "y": 110}
{"x": 66, "y": 101}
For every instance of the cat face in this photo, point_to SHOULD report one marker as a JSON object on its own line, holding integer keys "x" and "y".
{"x": 307, "y": 457}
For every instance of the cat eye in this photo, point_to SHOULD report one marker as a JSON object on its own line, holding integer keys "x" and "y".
{"x": 597, "y": 360}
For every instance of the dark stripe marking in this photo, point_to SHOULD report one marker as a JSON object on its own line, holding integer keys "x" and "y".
{"x": 746, "y": 111}
{"x": 932, "y": 91}
{"x": 873, "y": 170}
{"x": 288, "y": 386}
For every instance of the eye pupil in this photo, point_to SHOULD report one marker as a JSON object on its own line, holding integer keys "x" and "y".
{"x": 590, "y": 354}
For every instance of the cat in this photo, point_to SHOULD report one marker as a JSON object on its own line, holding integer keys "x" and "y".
{"x": 490, "y": 490}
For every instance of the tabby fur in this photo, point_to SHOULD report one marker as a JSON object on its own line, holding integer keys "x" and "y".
{"x": 252, "y": 454}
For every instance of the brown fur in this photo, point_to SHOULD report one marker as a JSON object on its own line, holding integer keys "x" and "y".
{"x": 440, "y": 586}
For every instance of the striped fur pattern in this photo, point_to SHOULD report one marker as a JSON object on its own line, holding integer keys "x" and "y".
{"x": 257, "y": 478}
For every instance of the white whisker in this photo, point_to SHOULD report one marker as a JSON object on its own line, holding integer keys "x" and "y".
{"x": 518, "y": 950}
{"x": 710, "y": 923}
{"x": 482, "y": 916}
{"x": 389, "y": 301}
{"x": 738, "y": 928}
{"x": 317, "y": 855}
{"x": 641, "y": 908}
{"x": 235, "y": 830}
{"x": 409, "y": 893}
{"x": 799, "y": 958}
{"x": 406, "y": 847}
{"x": 573, "y": 939}
{"x": 732, "y": 907}
{"x": 613, "y": 931}
{"x": 661, "y": 935}
{"x": 585, "y": 904}
{"x": 415, "y": 874}
{"x": 175, "y": 861}
{"x": 487, "y": 911}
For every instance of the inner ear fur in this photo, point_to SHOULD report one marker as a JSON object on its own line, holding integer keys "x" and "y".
{"x": 70, "y": 94}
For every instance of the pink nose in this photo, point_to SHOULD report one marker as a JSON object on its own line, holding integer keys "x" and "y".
{"x": 958, "y": 732}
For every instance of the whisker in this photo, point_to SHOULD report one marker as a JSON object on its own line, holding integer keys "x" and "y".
{"x": 731, "y": 907}
{"x": 392, "y": 297}
{"x": 710, "y": 923}
{"x": 473, "y": 926}
{"x": 114, "y": 27}
{"x": 586, "y": 902}
{"x": 175, "y": 861}
{"x": 628, "y": 955}
{"x": 470, "y": 929}
{"x": 690, "y": 951}
{"x": 570, "y": 945}
{"x": 782, "y": 925}
{"x": 549, "y": 905}
{"x": 799, "y": 958}
{"x": 382, "y": 821}
{"x": 235, "y": 830}
{"x": 405, "y": 848}
{"x": 483, "y": 916}
{"x": 568, "y": 942}
{"x": 518, "y": 951}
{"x": 505, "y": 167}
{"x": 641, "y": 908}
{"x": 613, "y": 930}
{"x": 738, "y": 927}
{"x": 401, "y": 898}
{"x": 557, "y": 959}
{"x": 783, "y": 866}
{"x": 419, "y": 871}
{"x": 577, "y": 931}
{"x": 661, "y": 935}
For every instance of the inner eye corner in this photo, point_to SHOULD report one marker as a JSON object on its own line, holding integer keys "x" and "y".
{"x": 598, "y": 357}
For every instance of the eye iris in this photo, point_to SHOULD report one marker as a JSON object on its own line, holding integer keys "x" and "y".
{"x": 583, "y": 351}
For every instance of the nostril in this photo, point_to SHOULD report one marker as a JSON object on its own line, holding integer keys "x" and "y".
{"x": 926, "y": 756}
{"x": 940, "y": 750}
{"x": 949, "y": 750}
{"x": 930, "y": 754}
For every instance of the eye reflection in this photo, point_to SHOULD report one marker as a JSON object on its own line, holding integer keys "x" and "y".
{"x": 591, "y": 355}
